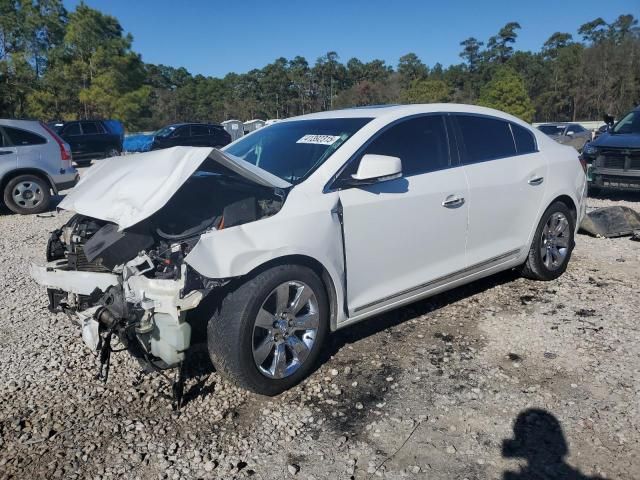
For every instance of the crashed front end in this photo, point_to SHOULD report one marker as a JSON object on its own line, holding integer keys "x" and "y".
{"x": 135, "y": 282}
{"x": 125, "y": 283}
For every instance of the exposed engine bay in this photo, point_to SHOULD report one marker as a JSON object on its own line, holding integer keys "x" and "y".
{"x": 135, "y": 283}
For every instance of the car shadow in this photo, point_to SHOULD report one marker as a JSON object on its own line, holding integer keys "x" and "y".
{"x": 55, "y": 201}
{"x": 617, "y": 195}
{"x": 379, "y": 323}
{"x": 539, "y": 440}
{"x": 199, "y": 366}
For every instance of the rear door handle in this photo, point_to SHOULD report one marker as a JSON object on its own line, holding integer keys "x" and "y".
{"x": 536, "y": 181}
{"x": 6, "y": 152}
{"x": 453, "y": 201}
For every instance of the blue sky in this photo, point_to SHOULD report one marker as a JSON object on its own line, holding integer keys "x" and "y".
{"x": 217, "y": 37}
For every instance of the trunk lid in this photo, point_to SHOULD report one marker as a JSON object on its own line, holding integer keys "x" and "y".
{"x": 127, "y": 189}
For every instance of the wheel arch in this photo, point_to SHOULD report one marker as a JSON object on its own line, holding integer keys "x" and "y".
{"x": 10, "y": 175}
{"x": 315, "y": 265}
{"x": 568, "y": 201}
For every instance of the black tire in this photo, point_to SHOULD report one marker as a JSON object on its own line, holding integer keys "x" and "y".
{"x": 535, "y": 267}
{"x": 27, "y": 194}
{"x": 230, "y": 332}
{"x": 111, "y": 152}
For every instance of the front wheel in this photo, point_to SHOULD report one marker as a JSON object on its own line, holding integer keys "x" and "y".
{"x": 552, "y": 244}
{"x": 268, "y": 332}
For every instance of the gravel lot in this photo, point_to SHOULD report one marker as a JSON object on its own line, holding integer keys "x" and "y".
{"x": 428, "y": 391}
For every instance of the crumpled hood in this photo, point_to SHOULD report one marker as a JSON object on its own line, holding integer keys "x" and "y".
{"x": 127, "y": 189}
{"x": 622, "y": 140}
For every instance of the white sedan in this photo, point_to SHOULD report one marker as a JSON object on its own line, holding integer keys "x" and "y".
{"x": 304, "y": 227}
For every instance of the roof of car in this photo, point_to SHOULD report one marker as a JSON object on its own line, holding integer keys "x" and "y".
{"x": 398, "y": 111}
{"x": 554, "y": 124}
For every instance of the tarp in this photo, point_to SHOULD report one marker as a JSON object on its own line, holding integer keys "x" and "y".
{"x": 616, "y": 221}
{"x": 137, "y": 143}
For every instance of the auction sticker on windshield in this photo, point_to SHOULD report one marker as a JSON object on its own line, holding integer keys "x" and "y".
{"x": 319, "y": 139}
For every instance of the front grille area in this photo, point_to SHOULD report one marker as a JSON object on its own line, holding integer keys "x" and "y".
{"x": 621, "y": 159}
{"x": 77, "y": 260}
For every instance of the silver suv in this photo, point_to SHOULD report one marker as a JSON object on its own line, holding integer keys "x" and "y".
{"x": 34, "y": 164}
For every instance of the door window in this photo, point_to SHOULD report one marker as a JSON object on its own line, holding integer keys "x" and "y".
{"x": 421, "y": 144}
{"x": 20, "y": 137}
{"x": 71, "y": 130}
{"x": 4, "y": 142}
{"x": 525, "y": 141}
{"x": 485, "y": 138}
{"x": 199, "y": 130}
{"x": 181, "y": 132}
{"x": 89, "y": 128}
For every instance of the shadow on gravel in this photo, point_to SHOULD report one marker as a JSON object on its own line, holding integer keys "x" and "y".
{"x": 538, "y": 439}
{"x": 374, "y": 325}
{"x": 55, "y": 201}
{"x": 617, "y": 195}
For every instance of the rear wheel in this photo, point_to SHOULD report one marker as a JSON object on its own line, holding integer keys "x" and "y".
{"x": 27, "y": 194}
{"x": 552, "y": 244}
{"x": 112, "y": 152}
{"x": 268, "y": 332}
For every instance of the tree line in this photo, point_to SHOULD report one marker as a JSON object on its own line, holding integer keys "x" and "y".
{"x": 56, "y": 64}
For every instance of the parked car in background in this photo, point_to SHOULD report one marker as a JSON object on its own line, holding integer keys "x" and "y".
{"x": 91, "y": 139}
{"x": 34, "y": 163}
{"x": 191, "y": 135}
{"x": 615, "y": 155}
{"x": 572, "y": 134}
{"x": 307, "y": 226}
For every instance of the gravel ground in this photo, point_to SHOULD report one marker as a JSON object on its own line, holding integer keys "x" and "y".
{"x": 504, "y": 375}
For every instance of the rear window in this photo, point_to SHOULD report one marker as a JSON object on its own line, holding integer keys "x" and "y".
{"x": 485, "y": 138}
{"x": 19, "y": 137}
{"x": 89, "y": 128}
{"x": 525, "y": 141}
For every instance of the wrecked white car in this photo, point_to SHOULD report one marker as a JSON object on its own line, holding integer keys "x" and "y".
{"x": 304, "y": 227}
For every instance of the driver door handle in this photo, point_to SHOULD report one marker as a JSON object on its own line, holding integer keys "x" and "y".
{"x": 453, "y": 201}
{"x": 536, "y": 181}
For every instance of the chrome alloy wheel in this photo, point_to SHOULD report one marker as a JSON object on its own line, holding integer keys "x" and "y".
{"x": 554, "y": 244}
{"x": 285, "y": 329}
{"x": 28, "y": 194}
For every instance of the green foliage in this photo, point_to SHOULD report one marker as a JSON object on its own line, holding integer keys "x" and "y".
{"x": 426, "y": 91}
{"x": 506, "y": 92}
{"x": 56, "y": 64}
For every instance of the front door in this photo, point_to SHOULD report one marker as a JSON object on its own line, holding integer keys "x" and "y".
{"x": 402, "y": 236}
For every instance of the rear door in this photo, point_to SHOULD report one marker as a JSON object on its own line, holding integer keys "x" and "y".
{"x": 401, "y": 236}
{"x": 200, "y": 136}
{"x": 8, "y": 154}
{"x": 95, "y": 139}
{"x": 27, "y": 145}
{"x": 506, "y": 176}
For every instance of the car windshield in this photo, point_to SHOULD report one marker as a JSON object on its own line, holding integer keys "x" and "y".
{"x": 165, "y": 132}
{"x": 630, "y": 123}
{"x": 292, "y": 150}
{"x": 551, "y": 129}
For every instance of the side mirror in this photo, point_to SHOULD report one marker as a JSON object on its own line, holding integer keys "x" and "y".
{"x": 570, "y": 132}
{"x": 377, "y": 168}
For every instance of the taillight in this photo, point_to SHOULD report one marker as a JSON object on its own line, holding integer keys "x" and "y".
{"x": 583, "y": 162}
{"x": 64, "y": 153}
